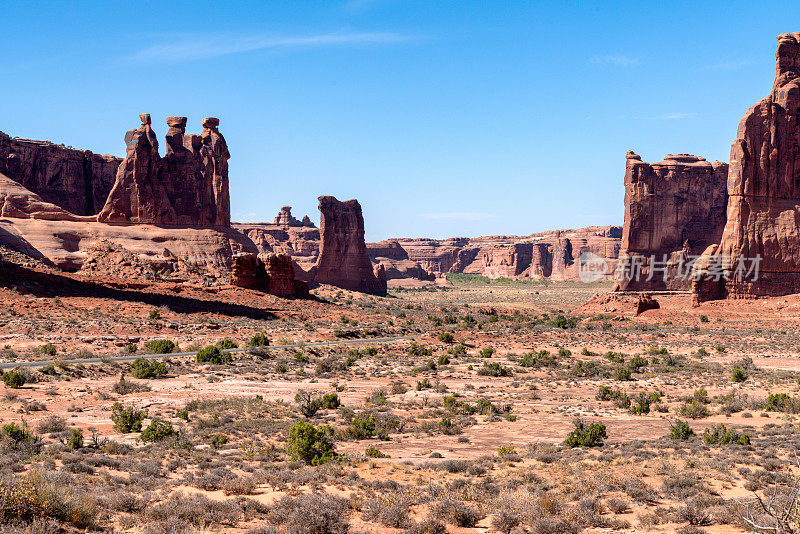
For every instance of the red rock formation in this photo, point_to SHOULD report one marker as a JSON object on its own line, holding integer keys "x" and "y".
{"x": 673, "y": 209}
{"x": 286, "y": 220}
{"x": 271, "y": 273}
{"x": 343, "y": 259}
{"x": 188, "y": 187}
{"x": 764, "y": 192}
{"x": 646, "y": 302}
{"x": 215, "y": 162}
{"x": 76, "y": 180}
{"x": 18, "y": 202}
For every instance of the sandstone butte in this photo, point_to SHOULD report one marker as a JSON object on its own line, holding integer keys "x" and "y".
{"x": 763, "y": 192}
{"x": 674, "y": 209}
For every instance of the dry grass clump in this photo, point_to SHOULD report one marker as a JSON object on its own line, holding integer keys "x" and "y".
{"x": 310, "y": 514}
{"x": 41, "y": 494}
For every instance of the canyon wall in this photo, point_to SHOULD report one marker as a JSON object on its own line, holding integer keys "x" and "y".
{"x": 77, "y": 181}
{"x": 674, "y": 209}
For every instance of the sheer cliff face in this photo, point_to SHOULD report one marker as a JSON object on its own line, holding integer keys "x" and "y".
{"x": 764, "y": 188}
{"x": 76, "y": 180}
{"x": 343, "y": 259}
{"x": 674, "y": 209}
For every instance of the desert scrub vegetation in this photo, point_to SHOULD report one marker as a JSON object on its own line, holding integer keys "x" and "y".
{"x": 160, "y": 346}
{"x": 310, "y": 444}
{"x": 14, "y": 379}
{"x": 38, "y": 494}
{"x": 127, "y": 418}
{"x": 212, "y": 354}
{"x": 583, "y": 435}
{"x": 143, "y": 368}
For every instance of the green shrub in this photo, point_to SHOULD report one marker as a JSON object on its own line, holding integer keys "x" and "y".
{"x": 564, "y": 322}
{"x": 218, "y": 440}
{"x": 306, "y": 403}
{"x": 720, "y": 435}
{"x": 637, "y": 363}
{"x": 446, "y": 337}
{"x": 14, "y": 379}
{"x": 781, "y": 402}
{"x": 157, "y": 430}
{"x": 704, "y": 318}
{"x": 75, "y": 440}
{"x": 160, "y": 346}
{"x": 127, "y": 418}
{"x": 693, "y": 410}
{"x": 622, "y": 374}
{"x": 443, "y": 360}
{"x": 310, "y": 444}
{"x": 330, "y": 401}
{"x": 541, "y": 359}
{"x": 144, "y": 368}
{"x": 225, "y": 344}
{"x": 494, "y": 369}
{"x": 362, "y": 427}
{"x": 212, "y": 354}
{"x": 259, "y": 340}
{"x": 15, "y": 432}
{"x": 373, "y": 452}
{"x": 738, "y": 375}
{"x": 586, "y": 436}
{"x": 419, "y": 350}
{"x": 155, "y": 314}
{"x": 448, "y": 427}
{"x": 564, "y": 353}
{"x": 48, "y": 349}
{"x": 487, "y": 352}
{"x": 458, "y": 350}
{"x": 182, "y": 414}
{"x": 680, "y": 430}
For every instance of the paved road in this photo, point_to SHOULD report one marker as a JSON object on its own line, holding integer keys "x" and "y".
{"x": 131, "y": 357}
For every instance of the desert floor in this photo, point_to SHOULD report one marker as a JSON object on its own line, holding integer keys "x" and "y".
{"x": 459, "y": 425}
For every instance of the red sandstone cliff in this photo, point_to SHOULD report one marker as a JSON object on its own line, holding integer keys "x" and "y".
{"x": 77, "y": 181}
{"x": 674, "y": 209}
{"x": 764, "y": 192}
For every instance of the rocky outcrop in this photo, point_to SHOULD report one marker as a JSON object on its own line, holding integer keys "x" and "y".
{"x": 271, "y": 273}
{"x": 286, "y": 220}
{"x": 763, "y": 194}
{"x": 18, "y": 202}
{"x": 77, "y": 181}
{"x": 674, "y": 209}
{"x": 343, "y": 259}
{"x": 188, "y": 187}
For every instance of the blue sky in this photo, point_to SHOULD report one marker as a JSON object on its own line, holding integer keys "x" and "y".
{"x": 443, "y": 118}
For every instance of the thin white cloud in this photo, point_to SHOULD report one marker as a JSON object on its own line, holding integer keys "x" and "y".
{"x": 616, "y": 60}
{"x": 192, "y": 47}
{"x": 459, "y": 216}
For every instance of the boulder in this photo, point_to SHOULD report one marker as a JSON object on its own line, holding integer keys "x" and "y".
{"x": 343, "y": 259}
{"x": 270, "y": 273}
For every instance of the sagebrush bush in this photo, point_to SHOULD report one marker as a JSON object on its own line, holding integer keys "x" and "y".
{"x": 721, "y": 435}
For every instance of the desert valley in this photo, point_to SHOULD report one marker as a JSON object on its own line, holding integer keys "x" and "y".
{"x": 167, "y": 369}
